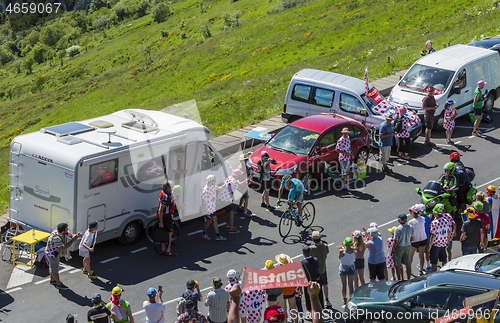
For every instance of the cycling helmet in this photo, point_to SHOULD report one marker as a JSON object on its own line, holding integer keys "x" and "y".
{"x": 449, "y": 166}
{"x": 454, "y": 156}
{"x": 287, "y": 178}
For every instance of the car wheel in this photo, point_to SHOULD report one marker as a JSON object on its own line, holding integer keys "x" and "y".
{"x": 362, "y": 156}
{"x": 130, "y": 234}
{"x": 488, "y": 105}
{"x": 306, "y": 179}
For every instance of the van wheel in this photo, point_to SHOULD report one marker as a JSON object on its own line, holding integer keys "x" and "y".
{"x": 130, "y": 234}
{"x": 362, "y": 156}
{"x": 488, "y": 105}
{"x": 439, "y": 123}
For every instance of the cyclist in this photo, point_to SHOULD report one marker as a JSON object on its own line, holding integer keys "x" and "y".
{"x": 295, "y": 192}
{"x": 165, "y": 211}
{"x": 462, "y": 177}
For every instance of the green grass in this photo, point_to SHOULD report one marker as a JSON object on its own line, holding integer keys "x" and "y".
{"x": 238, "y": 76}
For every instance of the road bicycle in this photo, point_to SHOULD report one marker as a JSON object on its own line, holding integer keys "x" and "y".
{"x": 157, "y": 235}
{"x": 291, "y": 216}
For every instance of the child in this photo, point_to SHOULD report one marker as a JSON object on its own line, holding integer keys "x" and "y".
{"x": 244, "y": 198}
{"x": 86, "y": 247}
{"x": 347, "y": 256}
{"x": 359, "y": 262}
{"x": 390, "y": 260}
{"x": 494, "y": 203}
{"x": 404, "y": 134}
{"x": 449, "y": 120}
{"x": 208, "y": 208}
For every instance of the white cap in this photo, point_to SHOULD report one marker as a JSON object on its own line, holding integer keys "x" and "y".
{"x": 264, "y": 152}
{"x": 231, "y": 274}
{"x": 373, "y": 225}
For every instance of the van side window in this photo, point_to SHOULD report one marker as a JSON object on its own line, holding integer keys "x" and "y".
{"x": 350, "y": 104}
{"x": 150, "y": 169}
{"x": 461, "y": 81}
{"x": 323, "y": 97}
{"x": 102, "y": 173}
{"x": 209, "y": 158}
{"x": 301, "y": 92}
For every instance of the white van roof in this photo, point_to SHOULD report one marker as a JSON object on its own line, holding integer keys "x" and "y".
{"x": 328, "y": 78}
{"x": 76, "y": 138}
{"x": 453, "y": 57}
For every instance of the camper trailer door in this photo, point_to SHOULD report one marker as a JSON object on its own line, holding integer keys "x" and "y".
{"x": 190, "y": 199}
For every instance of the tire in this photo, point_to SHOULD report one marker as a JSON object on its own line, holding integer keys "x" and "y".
{"x": 153, "y": 225}
{"x": 337, "y": 185}
{"x": 362, "y": 156}
{"x": 130, "y": 234}
{"x": 308, "y": 215}
{"x": 439, "y": 122}
{"x": 306, "y": 179}
{"x": 286, "y": 223}
{"x": 488, "y": 105}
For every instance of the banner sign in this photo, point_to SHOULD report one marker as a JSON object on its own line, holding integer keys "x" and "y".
{"x": 290, "y": 275}
{"x": 455, "y": 315}
{"x": 482, "y": 298}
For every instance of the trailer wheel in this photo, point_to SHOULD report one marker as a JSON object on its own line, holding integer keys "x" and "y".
{"x": 130, "y": 234}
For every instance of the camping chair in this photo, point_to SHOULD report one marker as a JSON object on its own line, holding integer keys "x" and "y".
{"x": 374, "y": 142}
{"x": 7, "y": 244}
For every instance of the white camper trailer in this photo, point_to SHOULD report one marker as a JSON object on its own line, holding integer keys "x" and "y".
{"x": 110, "y": 170}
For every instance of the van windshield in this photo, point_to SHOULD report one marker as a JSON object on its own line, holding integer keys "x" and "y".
{"x": 420, "y": 77}
{"x": 293, "y": 140}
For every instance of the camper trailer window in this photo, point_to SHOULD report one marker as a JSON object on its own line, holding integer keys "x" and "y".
{"x": 102, "y": 173}
{"x": 150, "y": 169}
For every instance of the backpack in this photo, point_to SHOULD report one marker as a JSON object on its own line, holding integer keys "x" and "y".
{"x": 181, "y": 302}
{"x": 398, "y": 124}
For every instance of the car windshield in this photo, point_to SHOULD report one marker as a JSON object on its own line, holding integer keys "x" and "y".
{"x": 420, "y": 77}
{"x": 293, "y": 140}
{"x": 372, "y": 99}
{"x": 488, "y": 263}
{"x": 404, "y": 288}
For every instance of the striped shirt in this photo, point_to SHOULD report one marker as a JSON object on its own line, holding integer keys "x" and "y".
{"x": 217, "y": 305}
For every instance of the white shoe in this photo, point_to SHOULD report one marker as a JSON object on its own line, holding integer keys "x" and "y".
{"x": 205, "y": 236}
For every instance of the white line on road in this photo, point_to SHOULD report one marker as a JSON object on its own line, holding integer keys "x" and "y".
{"x": 42, "y": 281}
{"x": 110, "y": 259}
{"x": 140, "y": 249}
{"x": 319, "y": 193}
{"x": 387, "y": 223}
{"x": 472, "y": 127}
{"x": 496, "y": 179}
{"x": 200, "y": 231}
{"x": 76, "y": 270}
{"x": 472, "y": 137}
{"x": 11, "y": 290}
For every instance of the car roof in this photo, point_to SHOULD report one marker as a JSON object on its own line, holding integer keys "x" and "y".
{"x": 463, "y": 278}
{"x": 328, "y": 78}
{"x": 487, "y": 42}
{"x": 453, "y": 57}
{"x": 321, "y": 122}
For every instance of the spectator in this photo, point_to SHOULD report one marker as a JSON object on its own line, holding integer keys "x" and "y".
{"x": 243, "y": 206}
{"x": 311, "y": 265}
{"x": 485, "y": 220}
{"x": 477, "y": 104}
{"x": 124, "y": 312}
{"x": 376, "y": 257}
{"x": 449, "y": 120}
{"x": 314, "y": 290}
{"x": 343, "y": 148}
{"x": 164, "y": 214}
{"x": 216, "y": 301}
{"x": 288, "y": 292}
{"x": 154, "y": 307}
{"x": 367, "y": 237}
{"x": 254, "y": 302}
{"x": 428, "y": 46}
{"x": 421, "y": 212}
{"x": 208, "y": 196}
{"x": 235, "y": 294}
{"x": 191, "y": 315}
{"x": 472, "y": 231}
{"x": 298, "y": 300}
{"x": 192, "y": 293}
{"x": 346, "y": 268}
{"x": 386, "y": 132}
{"x": 264, "y": 169}
{"x": 231, "y": 276}
{"x": 390, "y": 258}
{"x": 320, "y": 251}
{"x": 453, "y": 228}
{"x": 439, "y": 239}
{"x": 87, "y": 246}
{"x": 404, "y": 142}
{"x": 57, "y": 245}
{"x": 359, "y": 262}
{"x": 494, "y": 213}
{"x": 226, "y": 196}
{"x": 99, "y": 313}
{"x": 429, "y": 106}
{"x": 70, "y": 319}
{"x": 480, "y": 197}
{"x": 274, "y": 295}
{"x": 418, "y": 224}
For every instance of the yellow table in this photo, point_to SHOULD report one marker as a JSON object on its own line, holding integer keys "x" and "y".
{"x": 28, "y": 238}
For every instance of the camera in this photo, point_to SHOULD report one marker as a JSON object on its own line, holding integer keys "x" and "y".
{"x": 272, "y": 161}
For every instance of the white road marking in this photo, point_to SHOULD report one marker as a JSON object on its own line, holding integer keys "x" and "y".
{"x": 200, "y": 231}
{"x": 496, "y": 179}
{"x": 472, "y": 127}
{"x": 140, "y": 249}
{"x": 472, "y": 137}
{"x": 319, "y": 193}
{"x": 110, "y": 259}
{"x": 387, "y": 223}
{"x": 42, "y": 281}
{"x": 20, "y": 276}
{"x": 76, "y": 270}
{"x": 11, "y": 290}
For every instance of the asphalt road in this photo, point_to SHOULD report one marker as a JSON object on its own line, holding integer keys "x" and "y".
{"x": 136, "y": 268}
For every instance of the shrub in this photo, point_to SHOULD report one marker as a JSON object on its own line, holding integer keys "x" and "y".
{"x": 31, "y": 40}
{"x": 40, "y": 53}
{"x": 26, "y": 50}
{"x": 120, "y": 11}
{"x": 73, "y": 51}
{"x": 204, "y": 31}
{"x": 47, "y": 105}
{"x": 2, "y": 94}
{"x": 98, "y": 4}
{"x": 28, "y": 63}
{"x": 287, "y": 4}
{"x": 6, "y": 55}
{"x": 164, "y": 33}
{"x": 17, "y": 66}
{"x": 142, "y": 7}
{"x": 100, "y": 22}
{"x": 51, "y": 34}
{"x": 38, "y": 82}
{"x": 231, "y": 20}
{"x": 160, "y": 12}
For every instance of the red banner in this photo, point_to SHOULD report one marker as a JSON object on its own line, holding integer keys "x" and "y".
{"x": 290, "y": 275}
{"x": 455, "y": 315}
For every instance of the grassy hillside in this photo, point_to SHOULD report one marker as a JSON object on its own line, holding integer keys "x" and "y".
{"x": 239, "y": 74}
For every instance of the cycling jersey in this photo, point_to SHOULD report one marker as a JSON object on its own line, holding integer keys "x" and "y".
{"x": 297, "y": 187}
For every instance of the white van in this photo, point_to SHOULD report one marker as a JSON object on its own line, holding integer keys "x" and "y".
{"x": 454, "y": 72}
{"x": 313, "y": 91}
{"x": 110, "y": 170}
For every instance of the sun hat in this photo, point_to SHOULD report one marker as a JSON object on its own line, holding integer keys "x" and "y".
{"x": 388, "y": 116}
{"x": 373, "y": 225}
{"x": 481, "y": 84}
{"x": 96, "y": 297}
{"x": 403, "y": 110}
{"x": 345, "y": 130}
{"x": 392, "y": 229}
{"x": 283, "y": 259}
{"x": 438, "y": 209}
{"x": 414, "y": 208}
{"x": 264, "y": 153}
{"x": 151, "y": 292}
{"x": 421, "y": 207}
{"x": 269, "y": 264}
{"x": 373, "y": 232}
{"x": 116, "y": 291}
{"x": 348, "y": 242}
{"x": 237, "y": 172}
{"x": 274, "y": 314}
{"x": 356, "y": 234}
{"x": 316, "y": 235}
{"x": 216, "y": 282}
{"x": 210, "y": 178}
{"x": 231, "y": 274}
{"x": 478, "y": 206}
{"x": 450, "y": 101}
{"x": 403, "y": 217}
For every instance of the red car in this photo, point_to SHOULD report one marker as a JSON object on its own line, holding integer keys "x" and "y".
{"x": 302, "y": 147}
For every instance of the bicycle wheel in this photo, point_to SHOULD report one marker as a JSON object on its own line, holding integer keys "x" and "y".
{"x": 176, "y": 231}
{"x": 308, "y": 214}
{"x": 286, "y": 223}
{"x": 150, "y": 229}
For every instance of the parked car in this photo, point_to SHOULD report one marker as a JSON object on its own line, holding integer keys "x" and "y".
{"x": 483, "y": 262}
{"x": 418, "y": 300}
{"x": 308, "y": 143}
{"x": 492, "y": 43}
{"x": 312, "y": 92}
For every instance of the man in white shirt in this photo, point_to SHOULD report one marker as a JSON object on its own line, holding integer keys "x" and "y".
{"x": 418, "y": 224}
{"x": 154, "y": 307}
